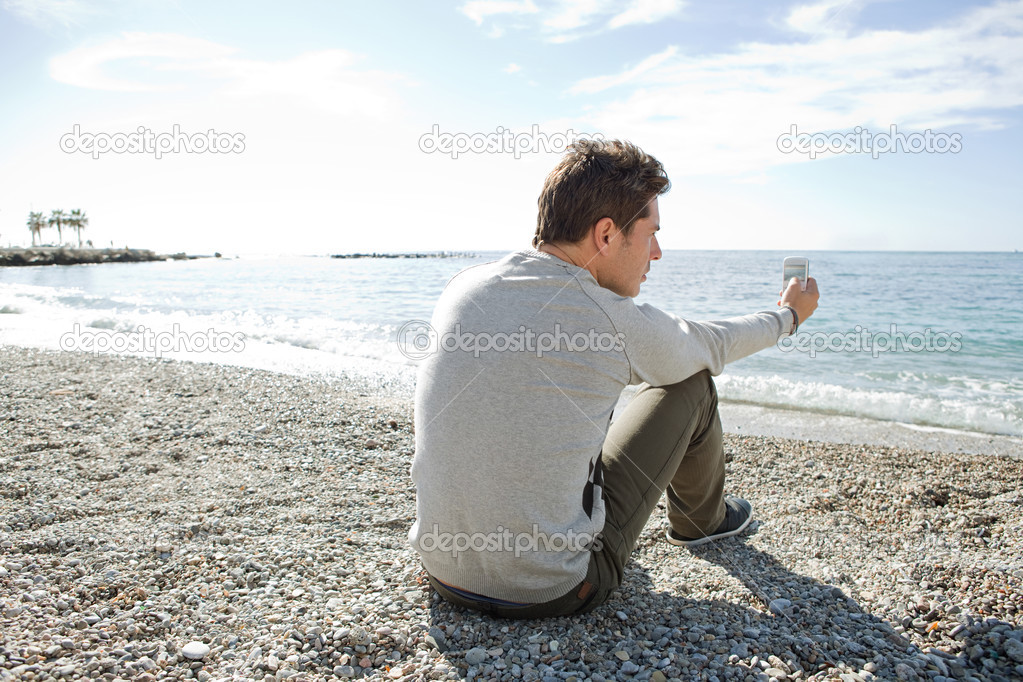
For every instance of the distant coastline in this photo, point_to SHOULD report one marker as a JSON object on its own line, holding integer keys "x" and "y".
{"x": 61, "y": 255}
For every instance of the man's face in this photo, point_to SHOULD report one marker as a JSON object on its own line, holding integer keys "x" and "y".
{"x": 630, "y": 255}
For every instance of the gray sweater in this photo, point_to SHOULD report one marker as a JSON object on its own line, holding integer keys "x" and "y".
{"x": 512, "y": 408}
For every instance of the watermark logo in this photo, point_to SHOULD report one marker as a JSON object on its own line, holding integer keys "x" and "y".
{"x": 501, "y": 141}
{"x": 862, "y": 141}
{"x": 862, "y": 340}
{"x": 145, "y": 141}
{"x": 417, "y": 340}
{"x": 507, "y": 540}
{"x": 145, "y": 341}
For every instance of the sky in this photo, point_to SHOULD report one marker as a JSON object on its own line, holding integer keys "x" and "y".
{"x": 339, "y": 127}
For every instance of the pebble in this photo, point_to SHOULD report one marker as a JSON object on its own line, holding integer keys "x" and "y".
{"x": 288, "y": 560}
{"x": 195, "y": 651}
{"x": 358, "y": 636}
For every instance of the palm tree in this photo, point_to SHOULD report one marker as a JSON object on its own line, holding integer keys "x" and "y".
{"x": 58, "y": 218}
{"x": 36, "y": 225}
{"x": 78, "y": 222}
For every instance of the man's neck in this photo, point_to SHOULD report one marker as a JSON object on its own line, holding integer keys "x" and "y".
{"x": 562, "y": 252}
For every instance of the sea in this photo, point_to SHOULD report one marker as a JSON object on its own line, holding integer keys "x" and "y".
{"x": 924, "y": 339}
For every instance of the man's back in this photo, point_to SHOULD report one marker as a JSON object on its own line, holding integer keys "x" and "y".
{"x": 510, "y": 418}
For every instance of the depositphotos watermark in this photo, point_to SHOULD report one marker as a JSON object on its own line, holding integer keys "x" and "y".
{"x": 862, "y": 141}
{"x": 862, "y": 340}
{"x": 144, "y": 340}
{"x": 501, "y": 141}
{"x": 145, "y": 141}
{"x": 507, "y": 540}
{"x": 418, "y": 340}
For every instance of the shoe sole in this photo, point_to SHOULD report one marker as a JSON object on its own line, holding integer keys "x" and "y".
{"x": 709, "y": 538}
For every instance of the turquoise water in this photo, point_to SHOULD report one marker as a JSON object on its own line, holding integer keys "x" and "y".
{"x": 955, "y": 320}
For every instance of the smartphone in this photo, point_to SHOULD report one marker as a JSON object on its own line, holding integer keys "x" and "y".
{"x": 795, "y": 266}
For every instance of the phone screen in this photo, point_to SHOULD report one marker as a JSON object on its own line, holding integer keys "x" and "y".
{"x": 795, "y": 271}
{"x": 796, "y": 268}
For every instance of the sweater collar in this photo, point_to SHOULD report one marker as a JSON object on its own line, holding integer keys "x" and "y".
{"x": 572, "y": 269}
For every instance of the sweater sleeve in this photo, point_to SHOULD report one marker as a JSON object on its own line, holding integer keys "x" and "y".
{"x": 664, "y": 349}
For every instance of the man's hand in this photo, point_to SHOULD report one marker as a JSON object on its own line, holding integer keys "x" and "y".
{"x": 803, "y": 302}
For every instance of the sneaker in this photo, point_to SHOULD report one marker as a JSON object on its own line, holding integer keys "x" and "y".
{"x": 738, "y": 513}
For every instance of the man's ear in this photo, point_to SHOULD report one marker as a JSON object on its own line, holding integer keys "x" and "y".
{"x": 604, "y": 232}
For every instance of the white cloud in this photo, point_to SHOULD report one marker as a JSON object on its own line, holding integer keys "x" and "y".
{"x": 561, "y": 21}
{"x": 478, "y": 10}
{"x": 723, "y": 113}
{"x": 83, "y": 67}
{"x": 573, "y": 14}
{"x": 599, "y": 83}
{"x": 822, "y": 17}
{"x": 327, "y": 79}
{"x": 46, "y": 12}
{"x": 512, "y": 68}
{"x": 645, "y": 12}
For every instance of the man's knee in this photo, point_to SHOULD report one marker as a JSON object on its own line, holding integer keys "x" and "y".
{"x": 695, "y": 398}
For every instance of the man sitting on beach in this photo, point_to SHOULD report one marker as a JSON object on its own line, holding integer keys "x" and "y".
{"x": 529, "y": 498}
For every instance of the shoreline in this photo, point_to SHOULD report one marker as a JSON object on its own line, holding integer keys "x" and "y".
{"x": 737, "y": 417}
{"x": 170, "y": 520}
{"x": 758, "y": 420}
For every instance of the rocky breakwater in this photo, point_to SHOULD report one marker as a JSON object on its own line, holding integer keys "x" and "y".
{"x": 48, "y": 255}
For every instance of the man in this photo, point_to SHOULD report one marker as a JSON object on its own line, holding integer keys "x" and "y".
{"x": 529, "y": 498}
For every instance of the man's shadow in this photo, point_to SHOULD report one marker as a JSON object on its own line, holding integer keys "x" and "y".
{"x": 792, "y": 622}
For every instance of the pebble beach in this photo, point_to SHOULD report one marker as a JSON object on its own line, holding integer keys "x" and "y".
{"x": 174, "y": 520}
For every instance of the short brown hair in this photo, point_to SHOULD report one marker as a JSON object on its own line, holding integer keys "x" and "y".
{"x": 597, "y": 179}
